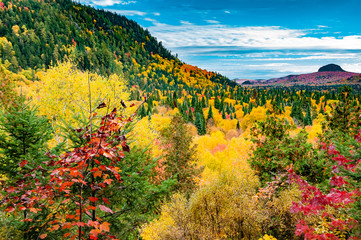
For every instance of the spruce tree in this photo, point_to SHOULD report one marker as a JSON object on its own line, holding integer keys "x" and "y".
{"x": 180, "y": 155}
{"x": 190, "y": 115}
{"x": 216, "y": 103}
{"x": 198, "y": 123}
{"x": 203, "y": 102}
{"x": 142, "y": 112}
{"x": 210, "y": 113}
{"x": 23, "y": 137}
{"x": 204, "y": 125}
{"x": 223, "y": 114}
{"x": 308, "y": 117}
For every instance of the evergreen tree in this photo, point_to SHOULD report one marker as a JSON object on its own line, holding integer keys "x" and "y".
{"x": 198, "y": 123}
{"x": 217, "y": 103}
{"x": 308, "y": 117}
{"x": 322, "y": 111}
{"x": 203, "y": 102}
{"x": 296, "y": 112}
{"x": 180, "y": 156}
{"x": 223, "y": 114}
{"x": 190, "y": 115}
{"x": 204, "y": 125}
{"x": 142, "y": 112}
{"x": 210, "y": 113}
{"x": 238, "y": 125}
{"x": 23, "y": 137}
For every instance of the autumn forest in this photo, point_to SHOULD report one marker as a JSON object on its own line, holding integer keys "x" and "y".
{"x": 106, "y": 134}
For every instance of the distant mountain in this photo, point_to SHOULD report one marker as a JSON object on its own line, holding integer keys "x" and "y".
{"x": 330, "y": 74}
{"x": 331, "y": 68}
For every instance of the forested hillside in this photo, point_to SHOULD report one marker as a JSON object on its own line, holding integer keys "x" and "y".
{"x": 39, "y": 34}
{"x": 104, "y": 134}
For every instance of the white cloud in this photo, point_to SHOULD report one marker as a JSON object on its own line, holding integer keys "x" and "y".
{"x": 212, "y": 21}
{"x": 273, "y": 37}
{"x": 228, "y": 12}
{"x": 156, "y": 14}
{"x": 185, "y": 22}
{"x": 128, "y": 12}
{"x": 154, "y": 21}
{"x": 105, "y": 3}
{"x": 352, "y": 67}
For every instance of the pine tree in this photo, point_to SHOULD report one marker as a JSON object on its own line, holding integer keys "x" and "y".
{"x": 296, "y": 111}
{"x": 210, "y": 113}
{"x": 203, "y": 102}
{"x": 223, "y": 114}
{"x": 142, "y": 112}
{"x": 308, "y": 117}
{"x": 23, "y": 137}
{"x": 180, "y": 155}
{"x": 238, "y": 126}
{"x": 199, "y": 122}
{"x": 190, "y": 115}
{"x": 216, "y": 103}
{"x": 204, "y": 125}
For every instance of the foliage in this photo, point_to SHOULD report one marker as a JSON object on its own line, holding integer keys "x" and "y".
{"x": 228, "y": 207}
{"x": 62, "y": 94}
{"x": 72, "y": 199}
{"x": 180, "y": 156}
{"x": 258, "y": 114}
{"x": 275, "y": 151}
{"x": 23, "y": 137}
{"x": 339, "y": 206}
{"x": 218, "y": 210}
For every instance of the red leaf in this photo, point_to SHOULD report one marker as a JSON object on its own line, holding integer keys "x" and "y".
{"x": 67, "y": 225}
{"x": 106, "y": 200}
{"x": 105, "y": 209}
{"x": 9, "y": 209}
{"x": 55, "y": 227}
{"x": 104, "y": 227}
{"x": 80, "y": 224}
{"x": 93, "y": 199}
{"x": 94, "y": 233}
{"x": 97, "y": 174}
{"x": 42, "y": 236}
{"x": 66, "y": 235}
{"x": 34, "y": 210}
{"x": 108, "y": 181}
{"x": 23, "y": 163}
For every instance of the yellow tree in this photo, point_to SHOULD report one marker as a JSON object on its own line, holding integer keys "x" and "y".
{"x": 64, "y": 92}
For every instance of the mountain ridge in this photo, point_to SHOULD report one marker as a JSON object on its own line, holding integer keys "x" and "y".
{"x": 330, "y": 74}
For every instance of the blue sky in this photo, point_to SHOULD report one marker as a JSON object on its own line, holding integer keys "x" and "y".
{"x": 254, "y": 39}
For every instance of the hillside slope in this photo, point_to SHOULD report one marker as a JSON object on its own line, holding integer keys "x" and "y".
{"x": 38, "y": 34}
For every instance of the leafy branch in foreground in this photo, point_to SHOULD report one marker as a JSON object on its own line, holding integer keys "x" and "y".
{"x": 71, "y": 199}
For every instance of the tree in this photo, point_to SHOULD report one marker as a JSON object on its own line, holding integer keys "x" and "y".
{"x": 217, "y": 103}
{"x": 23, "y": 137}
{"x": 296, "y": 112}
{"x": 308, "y": 118}
{"x": 223, "y": 114}
{"x": 180, "y": 156}
{"x": 71, "y": 194}
{"x": 210, "y": 113}
{"x": 190, "y": 115}
{"x": 275, "y": 151}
